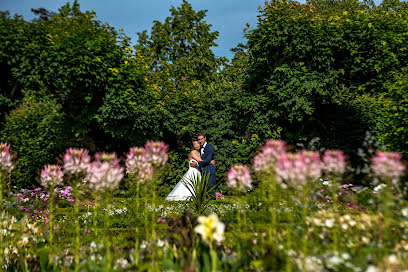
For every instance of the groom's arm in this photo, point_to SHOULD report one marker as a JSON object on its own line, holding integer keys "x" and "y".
{"x": 208, "y": 157}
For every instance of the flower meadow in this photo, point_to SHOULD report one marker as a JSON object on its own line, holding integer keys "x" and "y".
{"x": 288, "y": 211}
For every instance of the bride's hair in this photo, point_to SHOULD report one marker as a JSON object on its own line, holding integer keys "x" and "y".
{"x": 194, "y": 140}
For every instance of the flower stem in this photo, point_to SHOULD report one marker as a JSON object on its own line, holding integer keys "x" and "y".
{"x": 1, "y": 219}
{"x": 95, "y": 221}
{"x": 137, "y": 223}
{"x": 107, "y": 227}
{"x": 335, "y": 187}
{"x": 51, "y": 222}
{"x": 213, "y": 254}
{"x": 77, "y": 228}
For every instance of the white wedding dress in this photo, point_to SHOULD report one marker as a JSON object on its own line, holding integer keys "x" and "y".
{"x": 180, "y": 192}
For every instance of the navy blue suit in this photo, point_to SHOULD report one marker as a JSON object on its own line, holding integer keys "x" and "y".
{"x": 207, "y": 168}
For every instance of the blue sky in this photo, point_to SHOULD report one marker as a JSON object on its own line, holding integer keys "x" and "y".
{"x": 228, "y": 17}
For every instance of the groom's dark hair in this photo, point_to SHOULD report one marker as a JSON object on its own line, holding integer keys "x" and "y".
{"x": 201, "y": 134}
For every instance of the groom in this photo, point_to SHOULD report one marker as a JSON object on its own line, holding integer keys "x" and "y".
{"x": 207, "y": 155}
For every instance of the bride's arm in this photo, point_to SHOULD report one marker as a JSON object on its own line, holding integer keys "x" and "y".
{"x": 195, "y": 156}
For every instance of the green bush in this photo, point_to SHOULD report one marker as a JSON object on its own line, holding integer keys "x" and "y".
{"x": 329, "y": 73}
{"x": 35, "y": 131}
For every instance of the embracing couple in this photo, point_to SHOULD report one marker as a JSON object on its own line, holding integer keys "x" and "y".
{"x": 201, "y": 161}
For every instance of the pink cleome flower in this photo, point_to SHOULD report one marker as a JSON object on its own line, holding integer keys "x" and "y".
{"x": 6, "y": 163}
{"x": 156, "y": 153}
{"x": 105, "y": 172}
{"x": 51, "y": 175}
{"x": 77, "y": 161}
{"x": 387, "y": 166}
{"x": 334, "y": 162}
{"x": 266, "y": 160}
{"x": 296, "y": 169}
{"x": 239, "y": 178}
{"x": 138, "y": 163}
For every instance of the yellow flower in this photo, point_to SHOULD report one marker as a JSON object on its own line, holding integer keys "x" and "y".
{"x": 210, "y": 228}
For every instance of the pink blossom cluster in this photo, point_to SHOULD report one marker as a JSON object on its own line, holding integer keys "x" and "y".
{"x": 266, "y": 160}
{"x": 35, "y": 202}
{"x": 345, "y": 197}
{"x": 239, "y": 177}
{"x": 296, "y": 169}
{"x": 51, "y": 176}
{"x": 138, "y": 163}
{"x": 218, "y": 195}
{"x": 105, "y": 172}
{"x": 157, "y": 153}
{"x": 6, "y": 163}
{"x": 334, "y": 162}
{"x": 387, "y": 166}
{"x": 142, "y": 161}
{"x": 77, "y": 161}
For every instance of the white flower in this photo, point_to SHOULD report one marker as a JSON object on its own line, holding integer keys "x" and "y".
{"x": 329, "y": 223}
{"x": 313, "y": 263}
{"x": 404, "y": 212}
{"x": 379, "y": 187}
{"x": 393, "y": 259}
{"x": 372, "y": 268}
{"x": 160, "y": 243}
{"x": 333, "y": 261}
{"x": 327, "y": 183}
{"x": 210, "y": 229}
{"x": 25, "y": 240}
{"x": 122, "y": 262}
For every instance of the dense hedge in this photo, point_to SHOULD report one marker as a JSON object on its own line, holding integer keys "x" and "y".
{"x": 35, "y": 130}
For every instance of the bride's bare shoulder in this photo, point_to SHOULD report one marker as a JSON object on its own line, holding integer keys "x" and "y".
{"x": 194, "y": 154}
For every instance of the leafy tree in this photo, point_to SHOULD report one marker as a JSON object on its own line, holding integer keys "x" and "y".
{"x": 179, "y": 56}
{"x": 35, "y": 130}
{"x": 85, "y": 65}
{"x": 315, "y": 71}
{"x": 15, "y": 36}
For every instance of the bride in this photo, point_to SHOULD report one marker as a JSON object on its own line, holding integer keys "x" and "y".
{"x": 180, "y": 192}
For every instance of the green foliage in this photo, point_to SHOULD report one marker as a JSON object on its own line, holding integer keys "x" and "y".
{"x": 316, "y": 68}
{"x": 200, "y": 192}
{"x": 80, "y": 62}
{"x": 14, "y": 37}
{"x": 35, "y": 131}
{"x": 178, "y": 52}
{"x": 393, "y": 121}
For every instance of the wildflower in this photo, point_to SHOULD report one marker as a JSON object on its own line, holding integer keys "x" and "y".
{"x": 156, "y": 153}
{"x": 296, "y": 169}
{"x": 334, "y": 162}
{"x": 210, "y": 229}
{"x": 239, "y": 177}
{"x": 388, "y": 166}
{"x": 138, "y": 163}
{"x": 6, "y": 163}
{"x": 329, "y": 222}
{"x": 379, "y": 187}
{"x": 105, "y": 171}
{"x": 218, "y": 195}
{"x": 313, "y": 164}
{"x": 404, "y": 212}
{"x": 265, "y": 161}
{"x": 51, "y": 175}
{"x": 76, "y": 161}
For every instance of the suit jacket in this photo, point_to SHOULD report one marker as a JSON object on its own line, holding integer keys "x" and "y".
{"x": 207, "y": 157}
